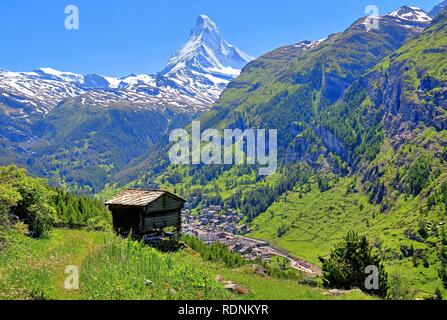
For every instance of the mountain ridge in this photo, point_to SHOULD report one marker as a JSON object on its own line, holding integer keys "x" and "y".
{"x": 43, "y": 88}
{"x": 47, "y": 115}
{"x": 437, "y": 10}
{"x": 285, "y": 88}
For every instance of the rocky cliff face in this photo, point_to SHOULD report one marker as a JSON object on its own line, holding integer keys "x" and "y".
{"x": 412, "y": 83}
{"x": 393, "y": 118}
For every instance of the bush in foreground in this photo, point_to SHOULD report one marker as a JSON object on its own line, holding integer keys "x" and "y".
{"x": 29, "y": 199}
{"x": 346, "y": 267}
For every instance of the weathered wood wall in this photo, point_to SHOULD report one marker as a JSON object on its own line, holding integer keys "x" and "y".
{"x": 162, "y": 213}
{"x": 163, "y": 220}
{"x": 164, "y": 203}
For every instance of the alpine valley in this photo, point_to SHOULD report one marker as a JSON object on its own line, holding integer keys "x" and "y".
{"x": 81, "y": 130}
{"x": 362, "y": 138}
{"x": 362, "y": 146}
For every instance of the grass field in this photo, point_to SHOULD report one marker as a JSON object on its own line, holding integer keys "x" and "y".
{"x": 112, "y": 268}
{"x": 34, "y": 269}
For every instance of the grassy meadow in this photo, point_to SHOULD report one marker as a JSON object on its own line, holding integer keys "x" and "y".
{"x": 112, "y": 268}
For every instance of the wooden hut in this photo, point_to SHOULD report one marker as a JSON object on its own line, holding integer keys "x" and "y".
{"x": 145, "y": 211}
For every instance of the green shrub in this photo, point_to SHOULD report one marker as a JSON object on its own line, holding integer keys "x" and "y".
{"x": 81, "y": 211}
{"x": 8, "y": 199}
{"x": 282, "y": 230}
{"x": 28, "y": 198}
{"x": 41, "y": 207}
{"x": 280, "y": 268}
{"x": 345, "y": 268}
{"x": 215, "y": 252}
{"x": 399, "y": 288}
{"x": 98, "y": 224}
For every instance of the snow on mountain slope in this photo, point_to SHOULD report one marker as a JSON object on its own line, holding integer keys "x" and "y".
{"x": 407, "y": 16}
{"x": 413, "y": 17}
{"x": 192, "y": 81}
{"x": 206, "y": 63}
{"x": 52, "y": 74}
{"x": 38, "y": 92}
{"x": 144, "y": 97}
{"x": 207, "y": 52}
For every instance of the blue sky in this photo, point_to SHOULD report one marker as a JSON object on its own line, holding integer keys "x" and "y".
{"x": 120, "y": 37}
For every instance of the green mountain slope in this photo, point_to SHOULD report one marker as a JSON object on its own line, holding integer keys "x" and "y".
{"x": 287, "y": 87}
{"x": 390, "y": 128}
{"x": 83, "y": 146}
{"x": 405, "y": 91}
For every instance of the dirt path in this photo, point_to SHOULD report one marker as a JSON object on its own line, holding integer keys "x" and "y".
{"x": 80, "y": 245}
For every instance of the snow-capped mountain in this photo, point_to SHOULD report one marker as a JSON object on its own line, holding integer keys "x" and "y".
{"x": 192, "y": 81}
{"x": 206, "y": 53}
{"x": 408, "y": 17}
{"x": 411, "y": 17}
{"x": 25, "y": 93}
{"x": 197, "y": 74}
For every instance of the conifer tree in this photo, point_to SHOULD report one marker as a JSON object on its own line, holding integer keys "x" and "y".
{"x": 347, "y": 265}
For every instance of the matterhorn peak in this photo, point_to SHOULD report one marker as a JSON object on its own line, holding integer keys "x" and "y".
{"x": 205, "y": 32}
{"x": 206, "y": 52}
{"x": 205, "y": 23}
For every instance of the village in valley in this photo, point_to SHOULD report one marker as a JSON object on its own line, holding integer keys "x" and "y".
{"x": 213, "y": 223}
{"x": 146, "y": 212}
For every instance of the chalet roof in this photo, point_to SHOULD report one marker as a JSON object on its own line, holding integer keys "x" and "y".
{"x": 139, "y": 197}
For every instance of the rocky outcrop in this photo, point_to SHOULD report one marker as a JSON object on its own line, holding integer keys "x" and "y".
{"x": 233, "y": 287}
{"x": 332, "y": 143}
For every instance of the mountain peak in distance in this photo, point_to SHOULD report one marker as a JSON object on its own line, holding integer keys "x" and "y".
{"x": 205, "y": 23}
{"x": 207, "y": 52}
{"x": 411, "y": 13}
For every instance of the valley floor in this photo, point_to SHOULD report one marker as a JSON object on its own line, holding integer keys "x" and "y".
{"x": 111, "y": 268}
